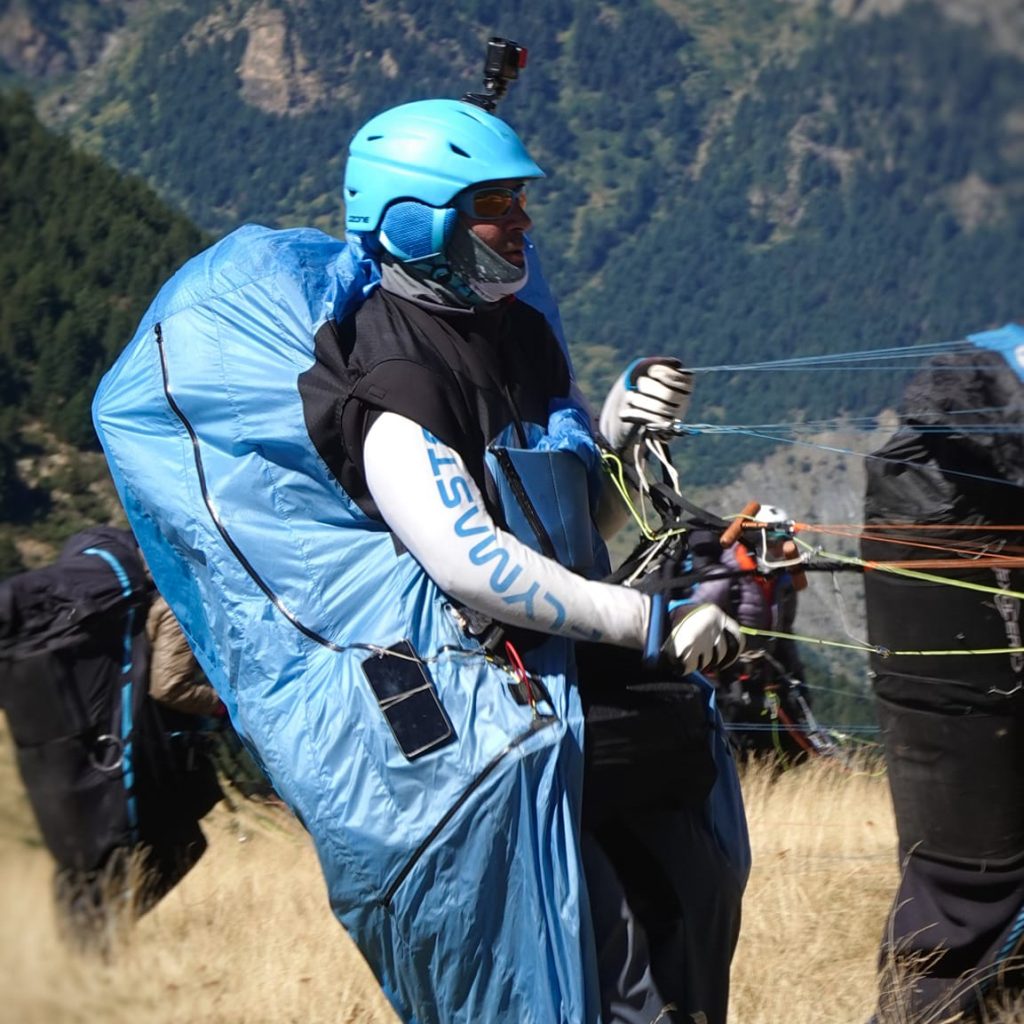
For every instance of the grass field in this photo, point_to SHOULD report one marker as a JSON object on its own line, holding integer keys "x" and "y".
{"x": 247, "y": 937}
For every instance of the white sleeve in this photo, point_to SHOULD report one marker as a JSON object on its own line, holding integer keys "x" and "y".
{"x": 432, "y": 504}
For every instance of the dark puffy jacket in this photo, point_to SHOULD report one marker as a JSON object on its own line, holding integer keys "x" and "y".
{"x": 99, "y": 770}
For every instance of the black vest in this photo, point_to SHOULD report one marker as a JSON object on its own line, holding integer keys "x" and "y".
{"x": 463, "y": 375}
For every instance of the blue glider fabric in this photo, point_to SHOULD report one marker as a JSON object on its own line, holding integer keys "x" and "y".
{"x": 458, "y": 872}
{"x": 558, "y": 482}
{"x": 1008, "y": 341}
{"x": 537, "y": 294}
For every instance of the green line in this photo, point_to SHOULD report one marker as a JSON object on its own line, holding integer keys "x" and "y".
{"x": 885, "y": 652}
{"x": 914, "y": 574}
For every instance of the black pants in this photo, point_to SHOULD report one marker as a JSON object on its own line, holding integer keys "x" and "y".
{"x": 956, "y": 774}
{"x": 665, "y": 901}
{"x": 666, "y": 910}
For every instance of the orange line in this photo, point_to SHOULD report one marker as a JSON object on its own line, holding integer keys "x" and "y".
{"x": 969, "y": 552}
{"x": 845, "y": 527}
{"x": 968, "y": 548}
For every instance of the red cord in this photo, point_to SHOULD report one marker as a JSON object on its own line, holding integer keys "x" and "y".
{"x": 520, "y": 670}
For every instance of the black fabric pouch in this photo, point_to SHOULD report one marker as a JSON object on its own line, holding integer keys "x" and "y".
{"x": 957, "y": 782}
{"x": 647, "y": 742}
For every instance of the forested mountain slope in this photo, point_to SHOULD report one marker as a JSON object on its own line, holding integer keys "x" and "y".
{"x": 84, "y": 250}
{"x": 727, "y": 181}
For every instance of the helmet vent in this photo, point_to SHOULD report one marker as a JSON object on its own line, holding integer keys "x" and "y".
{"x": 374, "y": 138}
{"x": 458, "y": 150}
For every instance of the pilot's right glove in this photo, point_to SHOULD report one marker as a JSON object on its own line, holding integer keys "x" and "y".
{"x": 703, "y": 638}
{"x": 652, "y": 394}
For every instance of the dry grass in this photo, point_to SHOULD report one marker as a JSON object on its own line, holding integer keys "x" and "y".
{"x": 247, "y": 937}
{"x": 824, "y": 873}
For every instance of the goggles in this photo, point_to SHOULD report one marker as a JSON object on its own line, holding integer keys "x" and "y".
{"x": 492, "y": 202}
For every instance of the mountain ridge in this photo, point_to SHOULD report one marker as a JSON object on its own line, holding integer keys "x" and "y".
{"x": 729, "y": 182}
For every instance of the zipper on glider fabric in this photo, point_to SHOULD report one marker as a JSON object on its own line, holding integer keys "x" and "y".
{"x": 529, "y": 510}
{"x": 221, "y": 528}
{"x": 535, "y": 726}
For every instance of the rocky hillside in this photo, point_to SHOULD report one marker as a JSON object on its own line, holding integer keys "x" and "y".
{"x": 819, "y": 482}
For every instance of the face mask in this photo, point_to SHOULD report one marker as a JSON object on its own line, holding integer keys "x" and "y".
{"x": 451, "y": 266}
{"x": 481, "y": 268}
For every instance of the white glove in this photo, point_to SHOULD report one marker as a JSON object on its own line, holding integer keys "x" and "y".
{"x": 703, "y": 638}
{"x": 650, "y": 395}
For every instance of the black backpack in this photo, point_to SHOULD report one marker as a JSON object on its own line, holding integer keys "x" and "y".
{"x": 101, "y": 771}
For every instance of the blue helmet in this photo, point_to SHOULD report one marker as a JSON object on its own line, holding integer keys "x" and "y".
{"x": 427, "y": 151}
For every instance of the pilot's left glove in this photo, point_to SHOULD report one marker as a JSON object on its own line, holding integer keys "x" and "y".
{"x": 703, "y": 638}
{"x": 651, "y": 395}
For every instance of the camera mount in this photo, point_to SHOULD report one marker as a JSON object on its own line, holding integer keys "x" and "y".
{"x": 501, "y": 66}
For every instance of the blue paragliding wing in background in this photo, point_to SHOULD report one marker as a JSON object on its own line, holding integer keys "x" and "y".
{"x": 1008, "y": 341}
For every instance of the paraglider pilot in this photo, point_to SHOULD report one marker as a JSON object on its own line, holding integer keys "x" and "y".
{"x": 440, "y": 379}
{"x": 95, "y": 676}
{"x": 953, "y": 723}
{"x": 762, "y": 695}
{"x": 389, "y": 554}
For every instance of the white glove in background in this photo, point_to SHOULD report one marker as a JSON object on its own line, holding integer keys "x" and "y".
{"x": 651, "y": 394}
{"x": 704, "y": 638}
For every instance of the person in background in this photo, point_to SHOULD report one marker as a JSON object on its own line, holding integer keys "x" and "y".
{"x": 762, "y": 696}
{"x": 176, "y": 682}
{"x": 192, "y": 714}
{"x": 943, "y": 499}
{"x": 101, "y": 695}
